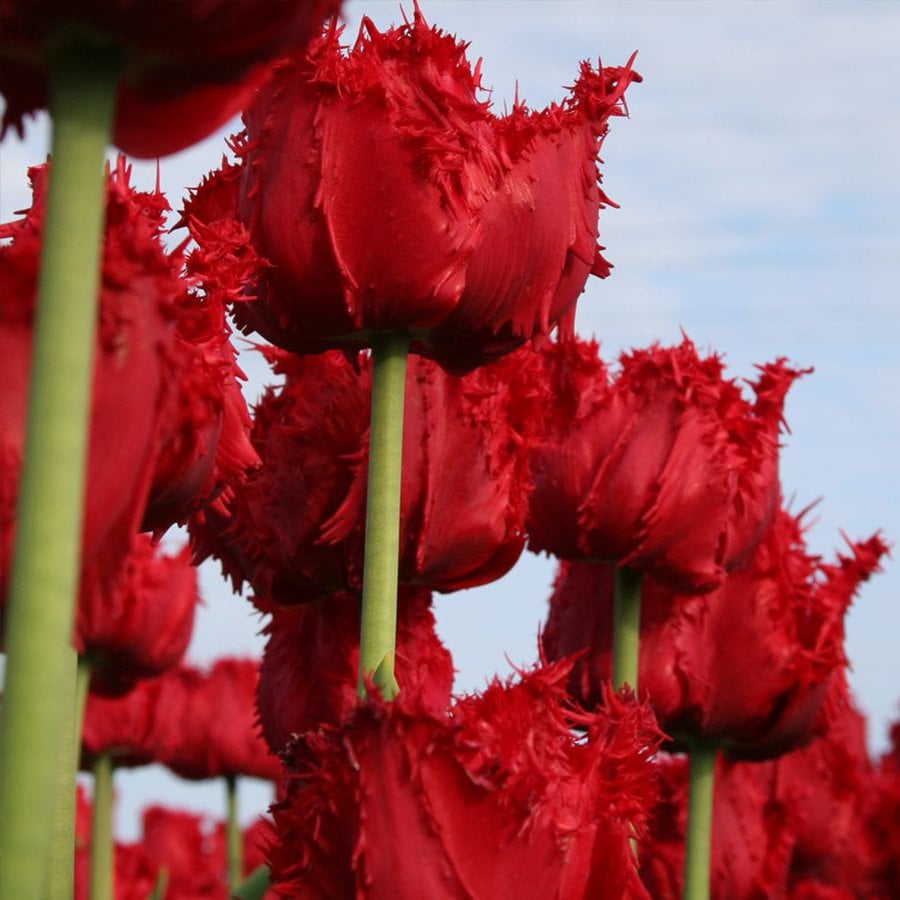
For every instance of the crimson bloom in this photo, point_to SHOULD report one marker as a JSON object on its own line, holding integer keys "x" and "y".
{"x": 142, "y": 625}
{"x": 747, "y": 665}
{"x": 665, "y": 468}
{"x": 295, "y": 528}
{"x": 496, "y": 799}
{"x": 828, "y": 789}
{"x": 134, "y": 344}
{"x": 205, "y": 723}
{"x": 121, "y": 726}
{"x": 799, "y": 826}
{"x": 350, "y": 155}
{"x": 184, "y": 851}
{"x": 752, "y": 838}
{"x": 187, "y": 67}
{"x": 309, "y": 668}
{"x": 169, "y": 429}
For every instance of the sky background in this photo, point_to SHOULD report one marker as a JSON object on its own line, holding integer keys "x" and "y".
{"x": 760, "y": 211}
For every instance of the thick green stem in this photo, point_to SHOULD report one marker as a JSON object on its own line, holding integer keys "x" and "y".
{"x": 379, "y": 602}
{"x": 698, "y": 839}
{"x": 101, "y": 873}
{"x": 233, "y": 836}
{"x": 626, "y": 628}
{"x": 61, "y": 873}
{"x": 44, "y": 575}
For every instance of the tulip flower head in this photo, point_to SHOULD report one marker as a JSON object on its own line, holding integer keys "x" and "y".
{"x": 308, "y": 674}
{"x": 495, "y": 799}
{"x": 186, "y": 67}
{"x": 385, "y": 195}
{"x": 665, "y": 468}
{"x": 746, "y": 666}
{"x": 294, "y": 529}
{"x": 141, "y": 626}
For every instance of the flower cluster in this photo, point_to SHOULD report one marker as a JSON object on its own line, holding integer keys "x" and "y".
{"x": 376, "y": 201}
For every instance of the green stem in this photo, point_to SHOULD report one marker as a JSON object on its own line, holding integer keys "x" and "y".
{"x": 61, "y": 873}
{"x": 626, "y": 628}
{"x": 101, "y": 872}
{"x": 379, "y": 601}
{"x": 233, "y": 836}
{"x": 46, "y": 555}
{"x": 698, "y": 839}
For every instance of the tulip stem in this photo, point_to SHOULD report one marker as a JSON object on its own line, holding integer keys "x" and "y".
{"x": 101, "y": 859}
{"x": 698, "y": 840}
{"x": 233, "y": 835}
{"x": 379, "y": 600}
{"x": 626, "y": 628}
{"x": 44, "y": 573}
{"x": 61, "y": 874}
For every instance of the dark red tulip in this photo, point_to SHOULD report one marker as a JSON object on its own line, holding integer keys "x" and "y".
{"x": 140, "y": 626}
{"x": 187, "y": 850}
{"x": 884, "y": 820}
{"x": 122, "y": 726}
{"x": 204, "y": 442}
{"x": 747, "y": 665}
{"x": 349, "y": 156}
{"x": 308, "y": 674}
{"x": 295, "y": 528}
{"x": 205, "y": 725}
{"x": 497, "y": 799}
{"x": 664, "y": 468}
{"x": 828, "y": 789}
{"x": 187, "y": 67}
{"x": 169, "y": 430}
{"x": 140, "y": 288}
{"x": 752, "y": 837}
{"x": 798, "y": 827}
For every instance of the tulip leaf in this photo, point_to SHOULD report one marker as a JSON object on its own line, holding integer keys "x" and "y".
{"x": 256, "y": 885}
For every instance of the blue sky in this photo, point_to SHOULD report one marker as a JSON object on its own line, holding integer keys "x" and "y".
{"x": 760, "y": 211}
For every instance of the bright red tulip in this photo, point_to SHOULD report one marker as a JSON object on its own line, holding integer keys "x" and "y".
{"x": 122, "y": 726}
{"x": 169, "y": 429}
{"x": 664, "y": 468}
{"x": 884, "y": 820}
{"x": 497, "y": 799}
{"x": 747, "y": 665}
{"x": 349, "y": 156}
{"x": 187, "y": 66}
{"x": 205, "y": 723}
{"x": 140, "y": 288}
{"x": 799, "y": 826}
{"x": 752, "y": 838}
{"x": 309, "y": 668}
{"x": 295, "y": 528}
{"x": 142, "y": 625}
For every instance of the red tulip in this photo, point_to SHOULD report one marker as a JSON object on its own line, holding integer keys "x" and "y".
{"x": 295, "y": 529}
{"x": 664, "y": 469}
{"x": 309, "y": 667}
{"x": 796, "y": 827}
{"x": 496, "y": 799}
{"x": 186, "y": 850}
{"x": 205, "y": 723}
{"x": 828, "y": 789}
{"x": 204, "y": 442}
{"x": 884, "y": 820}
{"x": 746, "y": 665}
{"x": 122, "y": 726}
{"x": 752, "y": 838}
{"x": 142, "y": 625}
{"x": 169, "y": 430}
{"x": 140, "y": 288}
{"x": 387, "y": 196}
{"x": 188, "y": 66}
